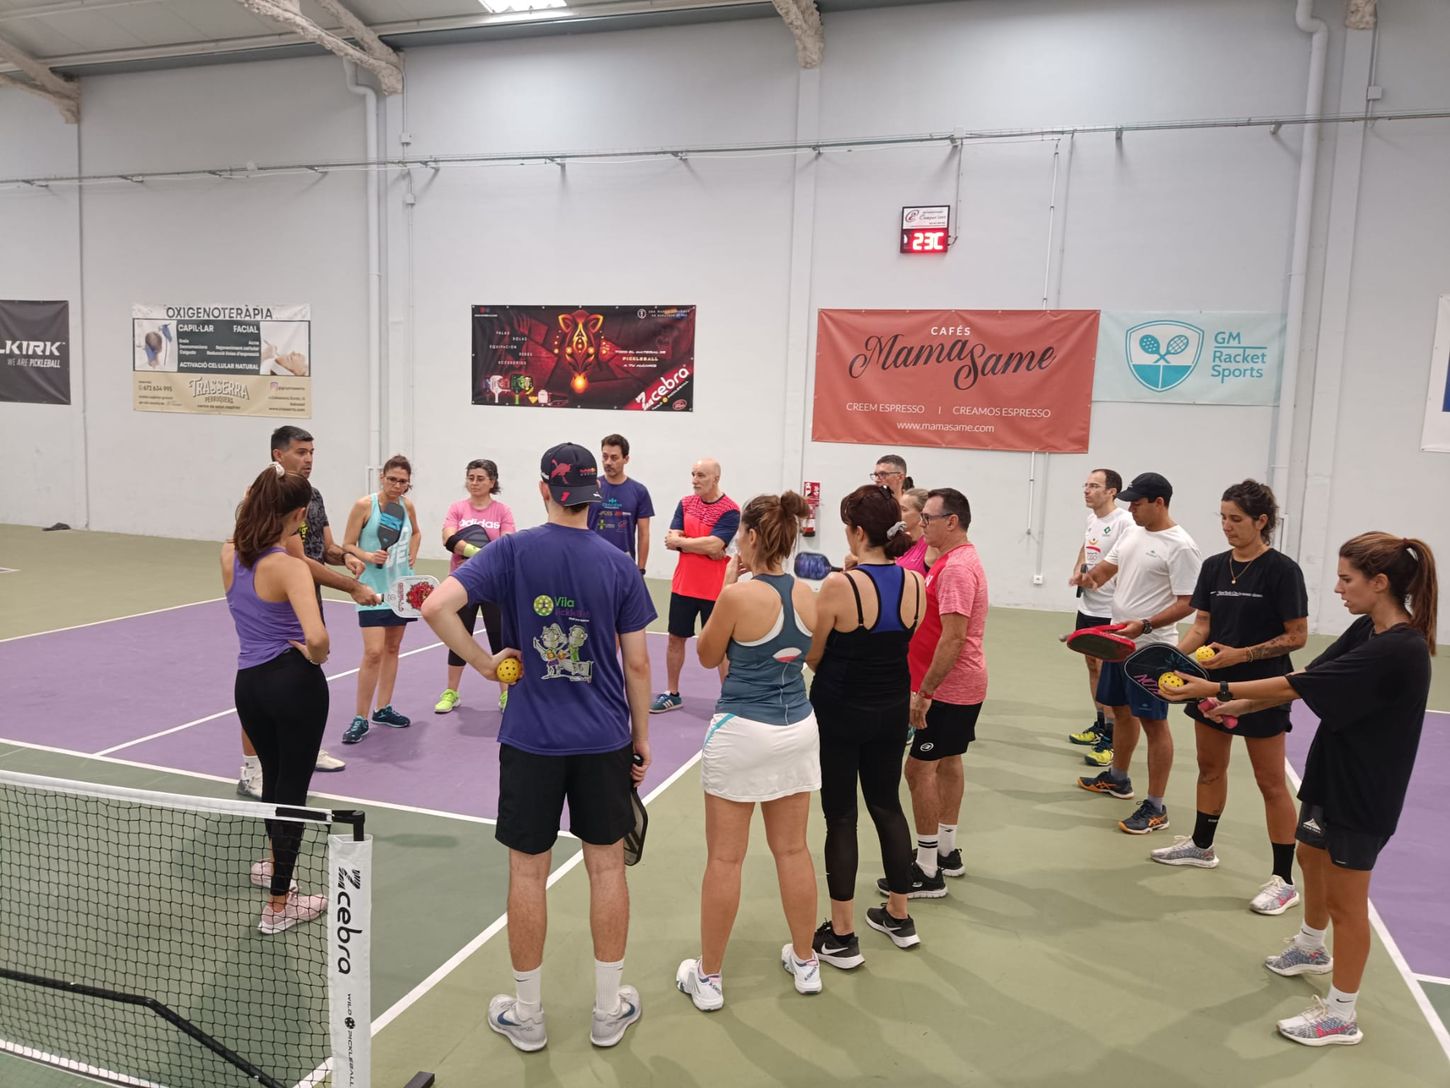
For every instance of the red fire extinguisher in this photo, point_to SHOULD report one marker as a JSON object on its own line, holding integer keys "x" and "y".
{"x": 812, "y": 494}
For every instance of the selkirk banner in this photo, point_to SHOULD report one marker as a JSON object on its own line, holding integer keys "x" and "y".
{"x": 243, "y": 359}
{"x": 631, "y": 358}
{"x": 1435, "y": 437}
{"x": 1198, "y": 357}
{"x": 965, "y": 379}
{"x": 35, "y": 352}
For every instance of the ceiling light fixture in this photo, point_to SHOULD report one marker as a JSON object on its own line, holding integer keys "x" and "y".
{"x": 507, "y": 7}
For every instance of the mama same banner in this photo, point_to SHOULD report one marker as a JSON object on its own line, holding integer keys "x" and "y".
{"x": 1436, "y": 436}
{"x": 966, "y": 379}
{"x": 1190, "y": 358}
{"x": 222, "y": 360}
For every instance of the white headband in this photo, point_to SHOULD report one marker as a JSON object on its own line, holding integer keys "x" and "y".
{"x": 899, "y": 527}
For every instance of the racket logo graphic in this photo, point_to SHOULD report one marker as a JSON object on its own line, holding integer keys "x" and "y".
{"x": 1162, "y": 354}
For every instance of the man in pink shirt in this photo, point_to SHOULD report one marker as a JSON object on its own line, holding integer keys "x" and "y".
{"x": 949, "y": 684}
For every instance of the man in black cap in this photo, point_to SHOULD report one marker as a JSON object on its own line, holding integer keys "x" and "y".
{"x": 1157, "y": 568}
{"x": 574, "y": 724}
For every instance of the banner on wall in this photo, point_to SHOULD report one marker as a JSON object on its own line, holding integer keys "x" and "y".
{"x": 1436, "y": 436}
{"x": 964, "y": 379}
{"x": 630, "y": 358}
{"x": 1190, "y": 358}
{"x": 35, "y": 352}
{"x": 246, "y": 360}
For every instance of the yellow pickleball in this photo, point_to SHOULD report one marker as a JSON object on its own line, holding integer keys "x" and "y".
{"x": 1204, "y": 653}
{"x": 509, "y": 670}
{"x": 1169, "y": 680}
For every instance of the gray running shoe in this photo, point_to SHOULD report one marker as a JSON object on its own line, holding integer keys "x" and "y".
{"x": 1184, "y": 852}
{"x": 1300, "y": 961}
{"x": 609, "y": 1027}
{"x": 1319, "y": 1026}
{"x": 1275, "y": 897}
{"x": 527, "y": 1035}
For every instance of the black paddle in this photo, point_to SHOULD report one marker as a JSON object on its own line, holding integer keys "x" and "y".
{"x": 634, "y": 837}
{"x": 390, "y": 525}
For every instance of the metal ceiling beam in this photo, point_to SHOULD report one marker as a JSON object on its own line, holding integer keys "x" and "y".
{"x": 64, "y": 94}
{"x": 374, "y": 56}
{"x": 804, "y": 21}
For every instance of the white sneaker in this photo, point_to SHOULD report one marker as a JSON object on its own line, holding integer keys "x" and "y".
{"x": 1319, "y": 1026}
{"x": 527, "y": 1035}
{"x": 262, "y": 874}
{"x": 1184, "y": 852}
{"x": 705, "y": 991}
{"x": 328, "y": 762}
{"x": 249, "y": 783}
{"x": 609, "y": 1027}
{"x": 807, "y": 975}
{"x": 1275, "y": 897}
{"x": 298, "y": 909}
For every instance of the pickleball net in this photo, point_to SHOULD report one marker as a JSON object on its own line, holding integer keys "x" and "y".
{"x": 129, "y": 944}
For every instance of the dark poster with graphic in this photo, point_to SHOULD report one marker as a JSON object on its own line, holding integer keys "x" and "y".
{"x": 35, "y": 352}
{"x": 628, "y": 358}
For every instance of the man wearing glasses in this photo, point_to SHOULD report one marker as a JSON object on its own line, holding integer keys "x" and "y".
{"x": 949, "y": 684}
{"x": 890, "y": 473}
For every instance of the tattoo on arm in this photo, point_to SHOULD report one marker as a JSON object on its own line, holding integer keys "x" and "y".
{"x": 1275, "y": 647}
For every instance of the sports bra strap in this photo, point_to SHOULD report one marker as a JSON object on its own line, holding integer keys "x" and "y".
{"x": 860, "y": 614}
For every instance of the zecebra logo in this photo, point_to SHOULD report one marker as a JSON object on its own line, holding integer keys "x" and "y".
{"x": 1161, "y": 354}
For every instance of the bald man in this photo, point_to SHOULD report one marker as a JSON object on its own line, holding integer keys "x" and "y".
{"x": 705, "y": 522}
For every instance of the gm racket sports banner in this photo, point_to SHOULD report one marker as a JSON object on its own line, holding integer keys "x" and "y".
{"x": 1190, "y": 358}
{"x": 1436, "y": 436}
{"x": 244, "y": 360}
{"x": 633, "y": 358}
{"x": 965, "y": 379}
{"x": 35, "y": 352}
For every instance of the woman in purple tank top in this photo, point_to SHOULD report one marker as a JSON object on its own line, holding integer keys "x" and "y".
{"x": 281, "y": 694}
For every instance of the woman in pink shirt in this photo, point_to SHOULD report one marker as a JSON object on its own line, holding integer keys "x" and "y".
{"x": 470, "y": 525}
{"x": 920, "y": 556}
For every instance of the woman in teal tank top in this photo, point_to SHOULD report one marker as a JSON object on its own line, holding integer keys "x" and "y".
{"x": 382, "y": 628}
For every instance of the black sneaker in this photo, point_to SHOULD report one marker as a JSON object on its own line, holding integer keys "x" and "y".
{"x": 842, "y": 952}
{"x": 902, "y": 931}
{"x": 951, "y": 864}
{"x": 922, "y": 886}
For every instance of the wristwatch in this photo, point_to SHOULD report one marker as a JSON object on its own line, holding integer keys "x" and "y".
{"x": 1147, "y": 626}
{"x": 1223, "y": 695}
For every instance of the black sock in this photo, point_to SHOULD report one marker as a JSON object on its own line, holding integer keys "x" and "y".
{"x": 1100, "y": 722}
{"x": 1204, "y": 828}
{"x": 1284, "y": 861}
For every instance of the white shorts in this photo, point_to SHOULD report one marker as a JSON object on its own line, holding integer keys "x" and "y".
{"x": 744, "y": 760}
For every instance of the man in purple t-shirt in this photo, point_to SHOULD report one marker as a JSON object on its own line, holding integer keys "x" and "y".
{"x": 623, "y": 513}
{"x": 576, "y": 727}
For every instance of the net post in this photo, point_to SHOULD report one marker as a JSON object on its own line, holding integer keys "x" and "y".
{"x": 353, "y": 817}
{"x": 422, "y": 1080}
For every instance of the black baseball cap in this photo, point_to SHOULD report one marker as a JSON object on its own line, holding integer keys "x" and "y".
{"x": 571, "y": 473}
{"x": 1147, "y": 485}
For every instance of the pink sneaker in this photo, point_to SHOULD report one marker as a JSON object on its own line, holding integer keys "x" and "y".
{"x": 262, "y": 874}
{"x": 299, "y": 908}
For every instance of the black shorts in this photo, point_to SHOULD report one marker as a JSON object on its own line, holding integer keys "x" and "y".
{"x": 492, "y": 624}
{"x": 532, "y": 790}
{"x": 1266, "y": 723}
{"x": 950, "y": 728}
{"x": 1084, "y": 620}
{"x": 1347, "y": 848}
{"x": 683, "y": 611}
{"x": 380, "y": 617}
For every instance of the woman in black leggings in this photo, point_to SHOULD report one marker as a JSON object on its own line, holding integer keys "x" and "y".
{"x": 862, "y": 695}
{"x": 281, "y": 693}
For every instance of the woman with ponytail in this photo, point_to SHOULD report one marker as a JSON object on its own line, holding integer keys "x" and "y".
{"x": 281, "y": 694}
{"x": 762, "y": 746}
{"x": 1369, "y": 690}
{"x": 865, "y": 618}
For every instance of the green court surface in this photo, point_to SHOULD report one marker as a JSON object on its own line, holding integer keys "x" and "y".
{"x": 1063, "y": 955}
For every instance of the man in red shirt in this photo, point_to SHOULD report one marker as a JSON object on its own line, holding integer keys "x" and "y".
{"x": 704, "y": 524}
{"x": 949, "y": 684}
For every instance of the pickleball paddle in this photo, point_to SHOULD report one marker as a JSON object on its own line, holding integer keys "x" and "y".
{"x": 406, "y": 595}
{"x": 1081, "y": 570}
{"x": 390, "y": 525}
{"x": 1103, "y": 642}
{"x": 476, "y": 535}
{"x": 634, "y": 837}
{"x": 813, "y": 566}
{"x": 1148, "y": 666}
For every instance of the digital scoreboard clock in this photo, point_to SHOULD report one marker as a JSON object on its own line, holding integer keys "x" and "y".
{"x": 926, "y": 229}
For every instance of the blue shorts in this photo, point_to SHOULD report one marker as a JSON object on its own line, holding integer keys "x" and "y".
{"x": 1115, "y": 689}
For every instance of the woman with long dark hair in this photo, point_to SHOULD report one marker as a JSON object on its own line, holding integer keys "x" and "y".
{"x": 281, "y": 694}
{"x": 762, "y": 746}
{"x": 1252, "y": 614}
{"x": 865, "y": 618}
{"x": 1369, "y": 690}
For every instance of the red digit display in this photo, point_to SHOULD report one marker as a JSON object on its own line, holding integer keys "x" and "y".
{"x": 924, "y": 241}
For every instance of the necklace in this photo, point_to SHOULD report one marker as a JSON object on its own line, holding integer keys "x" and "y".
{"x": 1234, "y": 577}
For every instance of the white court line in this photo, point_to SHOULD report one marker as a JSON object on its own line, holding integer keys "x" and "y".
{"x": 416, "y": 994}
{"x": 1437, "y": 1026}
{"x": 232, "y": 709}
{"x": 369, "y": 802}
{"x": 1435, "y": 979}
{"x": 113, "y": 619}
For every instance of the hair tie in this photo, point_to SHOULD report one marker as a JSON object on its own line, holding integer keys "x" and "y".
{"x": 899, "y": 527}
{"x": 280, "y": 468}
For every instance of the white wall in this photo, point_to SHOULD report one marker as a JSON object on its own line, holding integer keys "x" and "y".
{"x": 1182, "y": 220}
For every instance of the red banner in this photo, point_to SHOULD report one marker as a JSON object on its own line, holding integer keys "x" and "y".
{"x": 966, "y": 379}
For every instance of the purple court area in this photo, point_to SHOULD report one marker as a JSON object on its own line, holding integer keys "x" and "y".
{"x": 101, "y": 689}
{"x": 1411, "y": 879}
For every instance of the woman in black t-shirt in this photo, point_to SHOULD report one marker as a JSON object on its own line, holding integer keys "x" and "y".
{"x": 1369, "y": 690}
{"x": 1252, "y": 612}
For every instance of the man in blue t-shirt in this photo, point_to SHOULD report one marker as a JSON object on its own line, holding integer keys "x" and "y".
{"x": 622, "y": 515}
{"x": 576, "y": 727}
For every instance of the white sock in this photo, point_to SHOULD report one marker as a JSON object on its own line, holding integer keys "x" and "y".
{"x": 607, "y": 977}
{"x": 947, "y": 837}
{"x": 1341, "y": 1003}
{"x": 1310, "y": 938}
{"x": 529, "y": 986}
{"x": 926, "y": 855}
{"x": 251, "y": 764}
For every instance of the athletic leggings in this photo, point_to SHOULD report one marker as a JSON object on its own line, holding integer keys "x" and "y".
{"x": 492, "y": 623}
{"x": 868, "y": 745}
{"x": 283, "y": 707}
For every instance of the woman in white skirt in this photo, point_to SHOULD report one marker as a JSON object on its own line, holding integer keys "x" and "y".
{"x": 761, "y": 748}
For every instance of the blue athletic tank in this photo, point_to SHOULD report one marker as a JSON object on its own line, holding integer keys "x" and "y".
{"x": 765, "y": 682}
